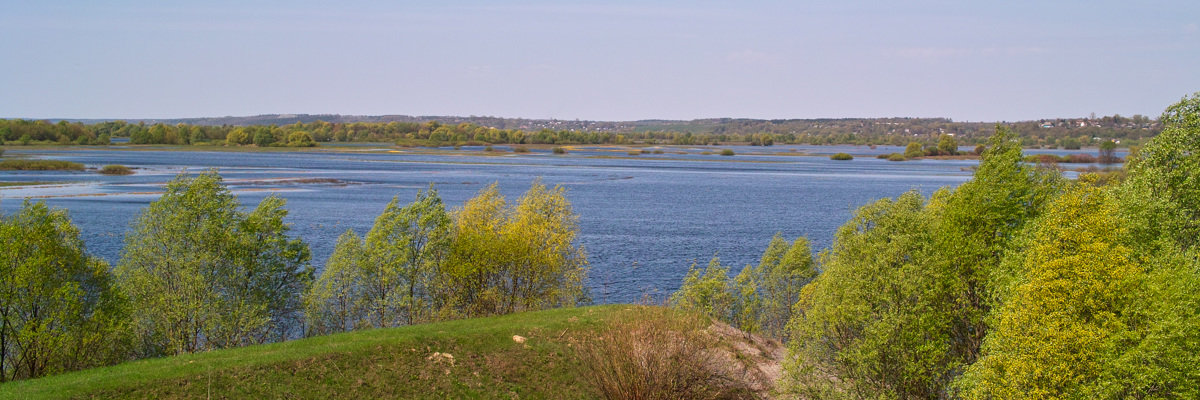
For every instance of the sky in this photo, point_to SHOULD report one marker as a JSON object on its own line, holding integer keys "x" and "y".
{"x": 598, "y": 60}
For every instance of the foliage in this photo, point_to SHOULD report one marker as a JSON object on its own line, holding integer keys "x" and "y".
{"x": 200, "y": 274}
{"x": 841, "y": 157}
{"x": 706, "y": 291}
{"x": 559, "y": 150}
{"x": 947, "y": 145}
{"x": 401, "y": 254}
{"x": 58, "y": 308}
{"x": 901, "y": 305}
{"x": 727, "y": 152}
{"x": 913, "y": 150}
{"x": 334, "y": 303}
{"x": 506, "y": 259}
{"x": 420, "y": 264}
{"x": 1162, "y": 193}
{"x": 874, "y": 318}
{"x": 658, "y": 356}
{"x": 40, "y": 165}
{"x": 114, "y": 169}
{"x": 1070, "y": 307}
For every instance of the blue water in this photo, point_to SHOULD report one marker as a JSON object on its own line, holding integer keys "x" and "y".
{"x": 643, "y": 219}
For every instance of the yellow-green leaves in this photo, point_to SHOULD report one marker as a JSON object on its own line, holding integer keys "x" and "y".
{"x": 420, "y": 264}
{"x": 1072, "y": 303}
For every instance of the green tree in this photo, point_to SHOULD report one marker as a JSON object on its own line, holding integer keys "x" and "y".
{"x": 1068, "y": 310}
{"x": 947, "y": 145}
{"x": 403, "y": 251}
{"x": 1108, "y": 152}
{"x": 706, "y": 291}
{"x": 200, "y": 274}
{"x": 1162, "y": 193}
{"x": 58, "y": 308}
{"x": 874, "y": 318}
{"x": 913, "y": 150}
{"x": 765, "y": 294}
{"x": 300, "y": 139}
{"x": 334, "y": 303}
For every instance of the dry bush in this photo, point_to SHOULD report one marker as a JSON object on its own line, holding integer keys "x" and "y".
{"x": 660, "y": 354}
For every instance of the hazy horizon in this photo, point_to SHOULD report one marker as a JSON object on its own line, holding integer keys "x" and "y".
{"x": 599, "y": 61}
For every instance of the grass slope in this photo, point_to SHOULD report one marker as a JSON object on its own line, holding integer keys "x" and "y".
{"x": 380, "y": 363}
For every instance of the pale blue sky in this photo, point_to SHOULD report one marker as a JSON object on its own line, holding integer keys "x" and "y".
{"x": 623, "y": 60}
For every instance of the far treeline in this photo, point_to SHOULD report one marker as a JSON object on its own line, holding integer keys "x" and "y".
{"x": 1058, "y": 133}
{"x": 198, "y": 273}
{"x": 1018, "y": 284}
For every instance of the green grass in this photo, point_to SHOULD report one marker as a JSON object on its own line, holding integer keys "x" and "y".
{"x": 40, "y": 165}
{"x": 380, "y": 363}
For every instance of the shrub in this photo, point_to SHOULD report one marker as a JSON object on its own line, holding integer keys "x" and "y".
{"x": 559, "y": 150}
{"x": 116, "y": 170}
{"x": 658, "y": 355}
{"x": 634, "y": 152}
{"x": 520, "y": 149}
{"x": 488, "y": 148}
{"x": 727, "y": 152}
{"x": 658, "y": 151}
{"x": 896, "y": 157}
{"x": 841, "y": 157}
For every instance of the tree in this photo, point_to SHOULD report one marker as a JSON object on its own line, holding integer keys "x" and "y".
{"x": 403, "y": 251}
{"x": 1162, "y": 193}
{"x": 913, "y": 150}
{"x": 765, "y": 294}
{"x": 334, "y": 303}
{"x": 706, "y": 291}
{"x": 200, "y": 274}
{"x": 505, "y": 259}
{"x": 947, "y": 145}
{"x": 975, "y": 226}
{"x": 300, "y": 139}
{"x": 1069, "y": 308}
{"x": 1108, "y": 152}
{"x": 58, "y": 308}
{"x": 238, "y": 136}
{"x": 874, "y": 318}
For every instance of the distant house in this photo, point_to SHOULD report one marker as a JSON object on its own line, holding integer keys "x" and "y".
{"x": 1047, "y": 125}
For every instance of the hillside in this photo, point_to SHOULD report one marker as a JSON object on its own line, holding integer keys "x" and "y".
{"x": 558, "y": 355}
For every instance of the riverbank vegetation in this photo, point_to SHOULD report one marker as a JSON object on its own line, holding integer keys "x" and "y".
{"x": 39, "y": 165}
{"x": 1017, "y": 284}
{"x": 198, "y": 273}
{"x": 307, "y": 131}
{"x": 114, "y": 169}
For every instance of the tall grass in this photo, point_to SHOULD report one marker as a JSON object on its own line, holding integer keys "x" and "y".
{"x": 659, "y": 356}
{"x": 40, "y": 165}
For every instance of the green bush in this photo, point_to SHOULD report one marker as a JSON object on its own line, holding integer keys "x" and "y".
{"x": 841, "y": 157}
{"x": 896, "y": 157}
{"x": 559, "y": 150}
{"x": 520, "y": 149}
{"x": 116, "y": 170}
{"x": 727, "y": 152}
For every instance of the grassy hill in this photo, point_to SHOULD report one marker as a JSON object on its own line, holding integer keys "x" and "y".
{"x": 558, "y": 357}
